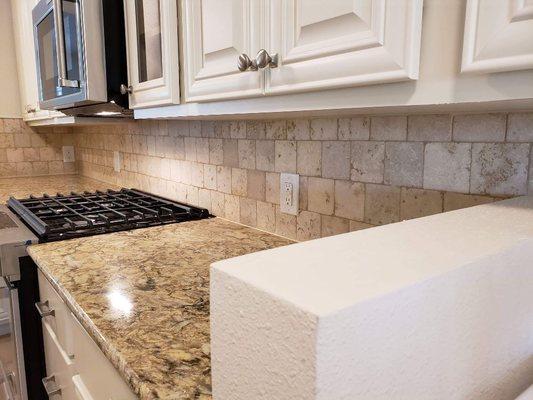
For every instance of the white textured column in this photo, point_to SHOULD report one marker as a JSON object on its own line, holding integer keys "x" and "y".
{"x": 433, "y": 308}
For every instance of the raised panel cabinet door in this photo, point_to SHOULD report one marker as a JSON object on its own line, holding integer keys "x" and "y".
{"x": 340, "y": 43}
{"x": 152, "y": 48}
{"x": 215, "y": 33}
{"x": 498, "y": 36}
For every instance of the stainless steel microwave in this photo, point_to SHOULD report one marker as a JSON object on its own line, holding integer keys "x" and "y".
{"x": 81, "y": 56}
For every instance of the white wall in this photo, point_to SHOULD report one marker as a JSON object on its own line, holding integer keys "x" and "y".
{"x": 435, "y": 308}
{"x": 9, "y": 85}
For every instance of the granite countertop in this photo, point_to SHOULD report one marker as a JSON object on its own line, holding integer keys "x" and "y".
{"x": 52, "y": 184}
{"x": 143, "y": 296}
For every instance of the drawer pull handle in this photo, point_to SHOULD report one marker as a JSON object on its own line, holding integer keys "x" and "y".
{"x": 50, "y": 385}
{"x": 44, "y": 310}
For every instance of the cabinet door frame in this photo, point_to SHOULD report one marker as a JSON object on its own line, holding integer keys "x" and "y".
{"x": 520, "y": 12}
{"x": 336, "y": 57}
{"x": 161, "y": 91}
{"x": 211, "y": 83}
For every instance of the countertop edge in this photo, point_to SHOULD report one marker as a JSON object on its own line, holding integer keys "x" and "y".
{"x": 131, "y": 378}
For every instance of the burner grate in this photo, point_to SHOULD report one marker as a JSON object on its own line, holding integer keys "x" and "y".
{"x": 89, "y": 213}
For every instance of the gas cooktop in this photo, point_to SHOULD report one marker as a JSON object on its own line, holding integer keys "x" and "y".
{"x": 62, "y": 217}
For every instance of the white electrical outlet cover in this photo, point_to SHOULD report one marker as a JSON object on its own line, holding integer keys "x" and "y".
{"x": 68, "y": 154}
{"x": 289, "y": 201}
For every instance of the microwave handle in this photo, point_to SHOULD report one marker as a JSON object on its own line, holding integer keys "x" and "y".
{"x": 63, "y": 81}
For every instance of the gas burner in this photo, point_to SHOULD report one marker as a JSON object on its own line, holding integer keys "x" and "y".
{"x": 90, "y": 213}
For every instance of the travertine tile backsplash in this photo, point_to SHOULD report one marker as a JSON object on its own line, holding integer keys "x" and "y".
{"x": 354, "y": 172}
{"x": 27, "y": 152}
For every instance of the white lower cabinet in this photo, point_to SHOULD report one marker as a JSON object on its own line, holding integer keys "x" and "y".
{"x": 76, "y": 368}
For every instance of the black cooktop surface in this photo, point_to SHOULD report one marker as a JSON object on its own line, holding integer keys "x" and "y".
{"x": 90, "y": 213}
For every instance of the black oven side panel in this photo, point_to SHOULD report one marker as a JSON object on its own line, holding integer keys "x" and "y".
{"x": 32, "y": 332}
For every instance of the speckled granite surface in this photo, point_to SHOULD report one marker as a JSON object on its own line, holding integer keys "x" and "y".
{"x": 143, "y": 295}
{"x": 23, "y": 187}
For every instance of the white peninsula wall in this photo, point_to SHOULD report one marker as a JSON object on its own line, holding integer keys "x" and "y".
{"x": 433, "y": 308}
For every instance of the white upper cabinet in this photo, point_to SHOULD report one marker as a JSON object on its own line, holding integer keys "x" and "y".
{"x": 339, "y": 43}
{"x": 27, "y": 69}
{"x": 498, "y": 36}
{"x": 215, "y": 33}
{"x": 152, "y": 47}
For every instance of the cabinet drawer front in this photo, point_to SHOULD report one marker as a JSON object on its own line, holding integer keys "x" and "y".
{"x": 59, "y": 321}
{"x": 58, "y": 364}
{"x": 98, "y": 377}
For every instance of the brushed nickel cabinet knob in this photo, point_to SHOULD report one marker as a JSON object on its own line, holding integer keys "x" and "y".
{"x": 244, "y": 63}
{"x": 263, "y": 59}
{"x": 125, "y": 89}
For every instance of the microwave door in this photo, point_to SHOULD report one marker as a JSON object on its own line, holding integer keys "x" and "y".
{"x": 61, "y": 53}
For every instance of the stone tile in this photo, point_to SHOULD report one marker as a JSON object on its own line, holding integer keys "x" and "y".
{"x": 174, "y": 127}
{"x": 246, "y": 153}
{"x": 255, "y": 130}
{"x": 349, "y": 200}
{"x": 191, "y": 196}
{"x": 265, "y": 155}
{"x": 207, "y": 129}
{"x": 304, "y": 184}
{"x": 298, "y": 129}
{"x": 256, "y": 185}
{"x": 308, "y": 226}
{"x": 239, "y": 181}
{"x": 285, "y": 224}
{"x": 224, "y": 179}
{"x": 447, "y": 166}
{"x": 520, "y": 127}
{"x": 323, "y": 129}
{"x": 30, "y": 154}
{"x": 195, "y": 128}
{"x": 479, "y": 128}
{"x": 404, "y": 164}
{"x": 222, "y": 129}
{"x": 309, "y": 158}
{"x": 232, "y": 208}
{"x": 367, "y": 161}
{"x": 15, "y": 155}
{"x": 11, "y": 125}
{"x": 190, "y": 148}
{"x": 204, "y": 198}
{"x": 357, "y": 226}
{"x": 285, "y": 160}
{"x": 22, "y": 139}
{"x": 231, "y": 152}
{"x": 218, "y": 206}
{"x": 272, "y": 187}
{"x": 202, "y": 149}
{"x": 321, "y": 195}
{"x": 499, "y": 169}
{"x": 416, "y": 203}
{"x": 210, "y": 176}
{"x": 276, "y": 130}
{"x": 266, "y": 216}
{"x": 7, "y": 140}
{"x": 248, "y": 209}
{"x": 429, "y": 128}
{"x": 382, "y": 204}
{"x": 197, "y": 173}
{"x": 334, "y": 225}
{"x": 237, "y": 129}
{"x": 456, "y": 201}
{"x": 216, "y": 153}
{"x": 356, "y": 128}
{"x": 530, "y": 187}
{"x": 391, "y": 127}
{"x": 336, "y": 160}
